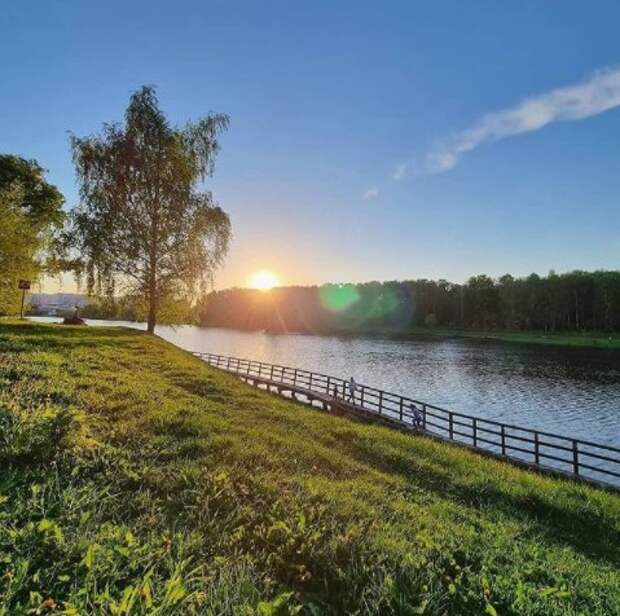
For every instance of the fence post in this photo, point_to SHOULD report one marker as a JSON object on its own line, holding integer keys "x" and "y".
{"x": 271, "y": 374}
{"x": 424, "y": 416}
{"x": 400, "y": 409}
{"x": 310, "y": 381}
{"x": 228, "y": 364}
{"x": 503, "y": 440}
{"x": 575, "y": 458}
{"x": 329, "y": 382}
{"x": 475, "y": 426}
{"x": 363, "y": 390}
{"x": 248, "y": 370}
{"x": 380, "y": 401}
{"x": 451, "y": 426}
{"x": 536, "y": 449}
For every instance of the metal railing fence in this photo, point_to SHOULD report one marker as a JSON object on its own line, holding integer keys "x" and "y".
{"x": 578, "y": 457}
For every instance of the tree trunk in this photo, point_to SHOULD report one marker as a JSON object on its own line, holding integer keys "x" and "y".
{"x": 150, "y": 328}
{"x": 608, "y": 325}
{"x": 576, "y": 311}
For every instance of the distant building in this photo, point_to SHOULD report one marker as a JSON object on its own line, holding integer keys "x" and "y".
{"x": 54, "y": 304}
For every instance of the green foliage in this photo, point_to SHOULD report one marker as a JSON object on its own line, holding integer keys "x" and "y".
{"x": 19, "y": 244}
{"x": 123, "y": 308}
{"x": 30, "y": 212}
{"x": 142, "y": 224}
{"x": 430, "y": 320}
{"x": 135, "y": 308}
{"x": 40, "y": 201}
{"x": 170, "y": 488}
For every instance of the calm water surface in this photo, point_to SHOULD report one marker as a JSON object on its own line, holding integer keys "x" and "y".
{"x": 570, "y": 391}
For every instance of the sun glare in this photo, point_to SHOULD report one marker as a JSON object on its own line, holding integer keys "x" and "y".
{"x": 263, "y": 280}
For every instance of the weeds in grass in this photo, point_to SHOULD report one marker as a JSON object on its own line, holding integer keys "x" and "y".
{"x": 136, "y": 480}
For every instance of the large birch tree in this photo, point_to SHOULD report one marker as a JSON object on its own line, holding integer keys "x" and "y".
{"x": 145, "y": 226}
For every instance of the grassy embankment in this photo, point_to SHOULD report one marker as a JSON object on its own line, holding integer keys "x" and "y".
{"x": 135, "y": 479}
{"x": 595, "y": 340}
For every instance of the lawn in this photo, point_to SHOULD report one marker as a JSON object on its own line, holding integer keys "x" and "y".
{"x": 134, "y": 479}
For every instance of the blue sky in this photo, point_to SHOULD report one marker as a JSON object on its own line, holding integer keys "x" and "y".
{"x": 330, "y": 101}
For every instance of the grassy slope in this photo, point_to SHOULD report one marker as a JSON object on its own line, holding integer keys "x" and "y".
{"x": 595, "y": 340}
{"x": 134, "y": 479}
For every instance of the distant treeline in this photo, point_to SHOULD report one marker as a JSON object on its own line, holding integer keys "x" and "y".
{"x": 574, "y": 301}
{"x": 134, "y": 308}
{"x": 113, "y": 308}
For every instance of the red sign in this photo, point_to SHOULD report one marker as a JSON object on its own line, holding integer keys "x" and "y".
{"x": 24, "y": 285}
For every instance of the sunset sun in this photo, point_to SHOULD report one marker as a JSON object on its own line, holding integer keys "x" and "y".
{"x": 263, "y": 280}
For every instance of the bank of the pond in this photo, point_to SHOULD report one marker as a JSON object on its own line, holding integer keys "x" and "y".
{"x": 597, "y": 340}
{"x": 594, "y": 340}
{"x": 135, "y": 479}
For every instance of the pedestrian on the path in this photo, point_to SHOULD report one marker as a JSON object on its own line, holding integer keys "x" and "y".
{"x": 418, "y": 418}
{"x": 352, "y": 389}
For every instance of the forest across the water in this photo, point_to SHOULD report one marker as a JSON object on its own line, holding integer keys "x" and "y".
{"x": 576, "y": 301}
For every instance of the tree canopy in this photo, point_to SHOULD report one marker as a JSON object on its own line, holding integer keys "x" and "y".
{"x": 143, "y": 225}
{"x": 30, "y": 215}
{"x": 570, "y": 302}
{"x": 40, "y": 201}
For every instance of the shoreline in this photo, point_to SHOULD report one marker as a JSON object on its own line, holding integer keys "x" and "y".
{"x": 590, "y": 340}
{"x": 584, "y": 340}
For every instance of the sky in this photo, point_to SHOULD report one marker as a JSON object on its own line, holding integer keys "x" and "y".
{"x": 368, "y": 141}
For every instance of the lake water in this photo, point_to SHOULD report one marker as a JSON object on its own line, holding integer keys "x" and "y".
{"x": 570, "y": 391}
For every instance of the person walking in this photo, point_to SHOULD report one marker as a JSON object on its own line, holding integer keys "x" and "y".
{"x": 418, "y": 419}
{"x": 352, "y": 389}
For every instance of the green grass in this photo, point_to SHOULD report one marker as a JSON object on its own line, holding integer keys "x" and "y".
{"x": 597, "y": 340}
{"x": 134, "y": 479}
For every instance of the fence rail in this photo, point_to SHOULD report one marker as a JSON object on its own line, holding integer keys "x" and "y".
{"x": 581, "y": 458}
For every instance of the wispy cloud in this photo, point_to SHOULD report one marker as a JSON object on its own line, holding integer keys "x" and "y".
{"x": 371, "y": 193}
{"x": 401, "y": 171}
{"x": 582, "y": 100}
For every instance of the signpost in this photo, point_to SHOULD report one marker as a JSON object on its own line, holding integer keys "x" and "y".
{"x": 24, "y": 285}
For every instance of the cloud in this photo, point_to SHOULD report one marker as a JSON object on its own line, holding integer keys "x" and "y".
{"x": 598, "y": 94}
{"x": 371, "y": 193}
{"x": 401, "y": 171}
{"x": 438, "y": 162}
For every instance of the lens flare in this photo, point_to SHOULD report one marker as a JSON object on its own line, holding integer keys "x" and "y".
{"x": 338, "y": 297}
